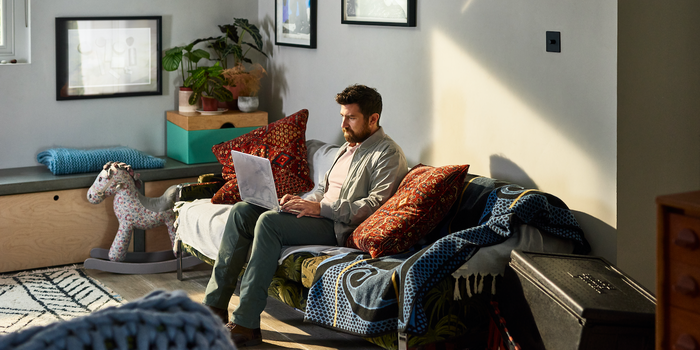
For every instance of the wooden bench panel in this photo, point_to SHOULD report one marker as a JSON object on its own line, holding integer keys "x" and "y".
{"x": 52, "y": 228}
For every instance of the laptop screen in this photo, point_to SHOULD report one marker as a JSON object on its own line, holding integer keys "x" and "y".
{"x": 255, "y": 181}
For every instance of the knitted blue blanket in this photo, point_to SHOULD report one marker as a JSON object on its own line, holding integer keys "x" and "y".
{"x": 160, "y": 320}
{"x": 63, "y": 161}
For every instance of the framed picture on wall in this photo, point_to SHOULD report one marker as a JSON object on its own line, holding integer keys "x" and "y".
{"x": 400, "y": 13}
{"x": 295, "y": 23}
{"x": 100, "y": 57}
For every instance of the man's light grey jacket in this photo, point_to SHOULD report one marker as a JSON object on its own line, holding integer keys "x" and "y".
{"x": 376, "y": 170}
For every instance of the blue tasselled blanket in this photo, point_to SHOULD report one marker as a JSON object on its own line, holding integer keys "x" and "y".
{"x": 62, "y": 161}
{"x": 370, "y": 297}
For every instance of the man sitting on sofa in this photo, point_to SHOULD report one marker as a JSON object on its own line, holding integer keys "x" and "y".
{"x": 366, "y": 171}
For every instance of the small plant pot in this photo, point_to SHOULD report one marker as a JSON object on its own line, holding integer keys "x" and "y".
{"x": 233, "y": 104}
{"x": 184, "y": 101}
{"x": 230, "y": 105}
{"x": 209, "y": 104}
{"x": 248, "y": 104}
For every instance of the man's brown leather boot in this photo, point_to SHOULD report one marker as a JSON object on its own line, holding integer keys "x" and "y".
{"x": 243, "y": 336}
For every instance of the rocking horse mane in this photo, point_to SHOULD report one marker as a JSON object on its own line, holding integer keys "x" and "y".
{"x": 113, "y": 167}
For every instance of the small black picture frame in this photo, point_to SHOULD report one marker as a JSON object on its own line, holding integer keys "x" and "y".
{"x": 399, "y": 13}
{"x": 102, "y": 57}
{"x": 295, "y": 23}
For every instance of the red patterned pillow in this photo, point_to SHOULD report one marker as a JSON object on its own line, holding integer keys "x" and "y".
{"x": 423, "y": 198}
{"x": 283, "y": 143}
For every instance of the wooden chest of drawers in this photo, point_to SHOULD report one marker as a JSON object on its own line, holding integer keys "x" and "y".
{"x": 678, "y": 272}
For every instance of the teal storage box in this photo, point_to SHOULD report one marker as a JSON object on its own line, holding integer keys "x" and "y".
{"x": 190, "y": 139}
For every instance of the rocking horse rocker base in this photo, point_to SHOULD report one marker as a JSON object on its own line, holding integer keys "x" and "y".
{"x": 140, "y": 263}
{"x": 134, "y": 211}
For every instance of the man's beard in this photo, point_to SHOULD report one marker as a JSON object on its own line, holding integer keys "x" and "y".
{"x": 359, "y": 137}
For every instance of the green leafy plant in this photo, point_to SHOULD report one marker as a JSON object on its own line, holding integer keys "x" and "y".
{"x": 209, "y": 82}
{"x": 231, "y": 42}
{"x": 179, "y": 56}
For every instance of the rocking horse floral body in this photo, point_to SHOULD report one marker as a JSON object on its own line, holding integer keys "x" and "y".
{"x": 133, "y": 210}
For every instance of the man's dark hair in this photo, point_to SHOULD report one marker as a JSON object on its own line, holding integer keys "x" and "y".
{"x": 367, "y": 98}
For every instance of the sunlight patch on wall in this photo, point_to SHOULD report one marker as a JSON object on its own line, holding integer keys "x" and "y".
{"x": 466, "y": 5}
{"x": 476, "y": 119}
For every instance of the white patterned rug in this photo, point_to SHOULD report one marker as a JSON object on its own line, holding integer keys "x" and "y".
{"x": 37, "y": 298}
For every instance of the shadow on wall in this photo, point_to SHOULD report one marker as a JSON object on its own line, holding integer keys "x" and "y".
{"x": 503, "y": 168}
{"x": 604, "y": 245}
{"x": 276, "y": 71}
{"x": 604, "y": 233}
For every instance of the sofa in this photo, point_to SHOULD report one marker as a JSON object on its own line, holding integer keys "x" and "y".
{"x": 439, "y": 288}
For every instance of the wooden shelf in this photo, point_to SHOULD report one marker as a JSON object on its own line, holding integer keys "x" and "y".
{"x": 196, "y": 121}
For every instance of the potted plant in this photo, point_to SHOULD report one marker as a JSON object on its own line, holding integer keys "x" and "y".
{"x": 178, "y": 57}
{"x": 208, "y": 83}
{"x": 232, "y": 43}
{"x": 249, "y": 83}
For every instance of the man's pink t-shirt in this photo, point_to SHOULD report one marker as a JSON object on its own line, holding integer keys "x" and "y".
{"x": 338, "y": 175}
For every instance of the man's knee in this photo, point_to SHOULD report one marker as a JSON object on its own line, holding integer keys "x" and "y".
{"x": 242, "y": 220}
{"x": 241, "y": 208}
{"x": 244, "y": 212}
{"x": 268, "y": 223}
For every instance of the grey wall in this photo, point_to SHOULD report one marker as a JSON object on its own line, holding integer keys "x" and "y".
{"x": 472, "y": 84}
{"x": 31, "y": 118}
{"x": 658, "y": 120}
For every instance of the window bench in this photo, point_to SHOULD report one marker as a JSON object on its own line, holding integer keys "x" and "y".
{"x": 46, "y": 220}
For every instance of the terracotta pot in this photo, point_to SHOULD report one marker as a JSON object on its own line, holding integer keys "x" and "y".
{"x": 183, "y": 101}
{"x": 235, "y": 90}
{"x": 233, "y": 104}
{"x": 209, "y": 104}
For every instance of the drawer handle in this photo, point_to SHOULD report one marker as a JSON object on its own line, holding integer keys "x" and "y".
{"x": 685, "y": 342}
{"x": 686, "y": 285}
{"x": 686, "y": 238}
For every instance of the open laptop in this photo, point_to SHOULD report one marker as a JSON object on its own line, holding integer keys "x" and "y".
{"x": 255, "y": 181}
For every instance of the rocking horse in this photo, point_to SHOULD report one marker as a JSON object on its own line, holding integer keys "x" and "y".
{"x": 134, "y": 211}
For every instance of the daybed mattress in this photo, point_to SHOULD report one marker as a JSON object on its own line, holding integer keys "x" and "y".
{"x": 201, "y": 225}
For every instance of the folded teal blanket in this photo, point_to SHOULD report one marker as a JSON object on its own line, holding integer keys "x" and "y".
{"x": 63, "y": 161}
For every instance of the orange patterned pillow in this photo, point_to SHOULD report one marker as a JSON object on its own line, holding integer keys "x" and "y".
{"x": 423, "y": 198}
{"x": 283, "y": 143}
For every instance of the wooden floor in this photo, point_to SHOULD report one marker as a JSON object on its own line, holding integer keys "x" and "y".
{"x": 282, "y": 326}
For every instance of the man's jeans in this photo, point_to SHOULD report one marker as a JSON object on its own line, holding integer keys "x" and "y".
{"x": 263, "y": 232}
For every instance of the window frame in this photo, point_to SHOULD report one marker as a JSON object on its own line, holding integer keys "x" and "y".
{"x": 7, "y": 48}
{"x": 18, "y": 29}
